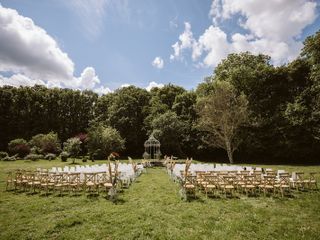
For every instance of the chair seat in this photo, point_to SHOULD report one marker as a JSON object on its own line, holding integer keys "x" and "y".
{"x": 90, "y": 184}
{"x": 249, "y": 186}
{"x": 189, "y": 186}
{"x": 211, "y": 186}
{"x": 107, "y": 184}
{"x": 229, "y": 187}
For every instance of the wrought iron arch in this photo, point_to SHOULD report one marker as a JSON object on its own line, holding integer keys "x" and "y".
{"x": 152, "y": 148}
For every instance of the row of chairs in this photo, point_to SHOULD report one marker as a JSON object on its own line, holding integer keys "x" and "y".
{"x": 62, "y": 182}
{"x": 232, "y": 182}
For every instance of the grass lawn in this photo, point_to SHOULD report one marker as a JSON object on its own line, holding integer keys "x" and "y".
{"x": 151, "y": 209}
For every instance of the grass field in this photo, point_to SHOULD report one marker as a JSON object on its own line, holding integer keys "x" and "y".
{"x": 151, "y": 209}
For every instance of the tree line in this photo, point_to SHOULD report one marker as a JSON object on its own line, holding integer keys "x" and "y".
{"x": 255, "y": 111}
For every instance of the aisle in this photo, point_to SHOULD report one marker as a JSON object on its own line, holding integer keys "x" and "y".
{"x": 155, "y": 186}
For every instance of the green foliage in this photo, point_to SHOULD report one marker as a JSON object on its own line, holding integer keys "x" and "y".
{"x": 50, "y": 156}
{"x": 73, "y": 147}
{"x": 45, "y": 143}
{"x": 19, "y": 146}
{"x": 125, "y": 110}
{"x": 169, "y": 130}
{"x": 222, "y": 114}
{"x": 64, "y": 156}
{"x": 104, "y": 140}
{"x": 3, "y": 155}
{"x": 34, "y": 157}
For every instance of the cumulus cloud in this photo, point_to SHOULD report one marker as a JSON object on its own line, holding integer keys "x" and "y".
{"x": 102, "y": 90}
{"x": 28, "y": 49}
{"x": 273, "y": 28}
{"x": 34, "y": 57}
{"x": 88, "y": 78}
{"x": 125, "y": 85}
{"x": 17, "y": 80}
{"x": 153, "y": 85}
{"x": 158, "y": 62}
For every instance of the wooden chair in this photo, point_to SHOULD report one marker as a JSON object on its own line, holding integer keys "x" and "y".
{"x": 210, "y": 184}
{"x": 74, "y": 182}
{"x": 61, "y": 182}
{"x": 249, "y": 185}
{"x": 33, "y": 181}
{"x": 311, "y": 181}
{"x": 90, "y": 182}
{"x": 267, "y": 184}
{"x": 227, "y": 184}
{"x": 10, "y": 181}
{"x": 299, "y": 182}
{"x": 283, "y": 184}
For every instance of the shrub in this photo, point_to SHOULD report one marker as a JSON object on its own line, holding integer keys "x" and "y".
{"x": 64, "y": 156}
{"x": 85, "y": 159}
{"x": 73, "y": 147}
{"x": 50, "y": 156}
{"x": 103, "y": 140}
{"x": 83, "y": 137}
{"x": 3, "y": 155}
{"x": 12, "y": 158}
{"x": 34, "y": 157}
{"x": 19, "y": 146}
{"x": 45, "y": 143}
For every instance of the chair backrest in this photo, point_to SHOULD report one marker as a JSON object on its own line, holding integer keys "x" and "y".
{"x": 269, "y": 180}
{"x": 90, "y": 177}
{"x": 74, "y": 178}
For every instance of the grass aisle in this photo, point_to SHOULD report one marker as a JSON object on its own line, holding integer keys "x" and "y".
{"x": 151, "y": 209}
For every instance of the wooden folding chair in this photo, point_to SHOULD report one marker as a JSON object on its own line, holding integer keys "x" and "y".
{"x": 283, "y": 183}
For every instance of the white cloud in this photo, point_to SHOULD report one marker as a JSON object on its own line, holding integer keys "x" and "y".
{"x": 34, "y": 57}
{"x": 17, "y": 80}
{"x": 154, "y": 84}
{"x": 88, "y": 79}
{"x": 158, "y": 62}
{"x": 28, "y": 49}
{"x": 125, "y": 85}
{"x": 273, "y": 28}
{"x": 102, "y": 90}
{"x": 186, "y": 40}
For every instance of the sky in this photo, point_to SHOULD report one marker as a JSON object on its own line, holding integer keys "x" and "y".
{"x": 103, "y": 45}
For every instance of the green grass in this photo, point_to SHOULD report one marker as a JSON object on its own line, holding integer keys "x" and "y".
{"x": 151, "y": 209}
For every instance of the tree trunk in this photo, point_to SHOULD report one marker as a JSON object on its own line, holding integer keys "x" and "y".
{"x": 229, "y": 152}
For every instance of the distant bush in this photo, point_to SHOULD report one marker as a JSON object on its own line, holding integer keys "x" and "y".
{"x": 12, "y": 158}
{"x": 19, "y": 146}
{"x": 45, "y": 143}
{"x": 3, "y": 155}
{"x": 103, "y": 140}
{"x": 50, "y": 156}
{"x": 85, "y": 159}
{"x": 73, "y": 147}
{"x": 64, "y": 156}
{"x": 34, "y": 157}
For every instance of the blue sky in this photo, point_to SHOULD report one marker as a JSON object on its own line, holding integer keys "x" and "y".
{"x": 120, "y": 39}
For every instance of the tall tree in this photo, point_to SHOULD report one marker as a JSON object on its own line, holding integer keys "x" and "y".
{"x": 221, "y": 115}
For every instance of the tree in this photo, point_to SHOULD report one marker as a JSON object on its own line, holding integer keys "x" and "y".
{"x": 125, "y": 110}
{"x": 221, "y": 115}
{"x": 73, "y": 147}
{"x": 103, "y": 140}
{"x": 169, "y": 130}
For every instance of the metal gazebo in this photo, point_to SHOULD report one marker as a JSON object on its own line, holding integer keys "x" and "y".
{"x": 152, "y": 148}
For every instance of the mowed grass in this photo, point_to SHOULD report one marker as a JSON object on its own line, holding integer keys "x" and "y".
{"x": 152, "y": 209}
